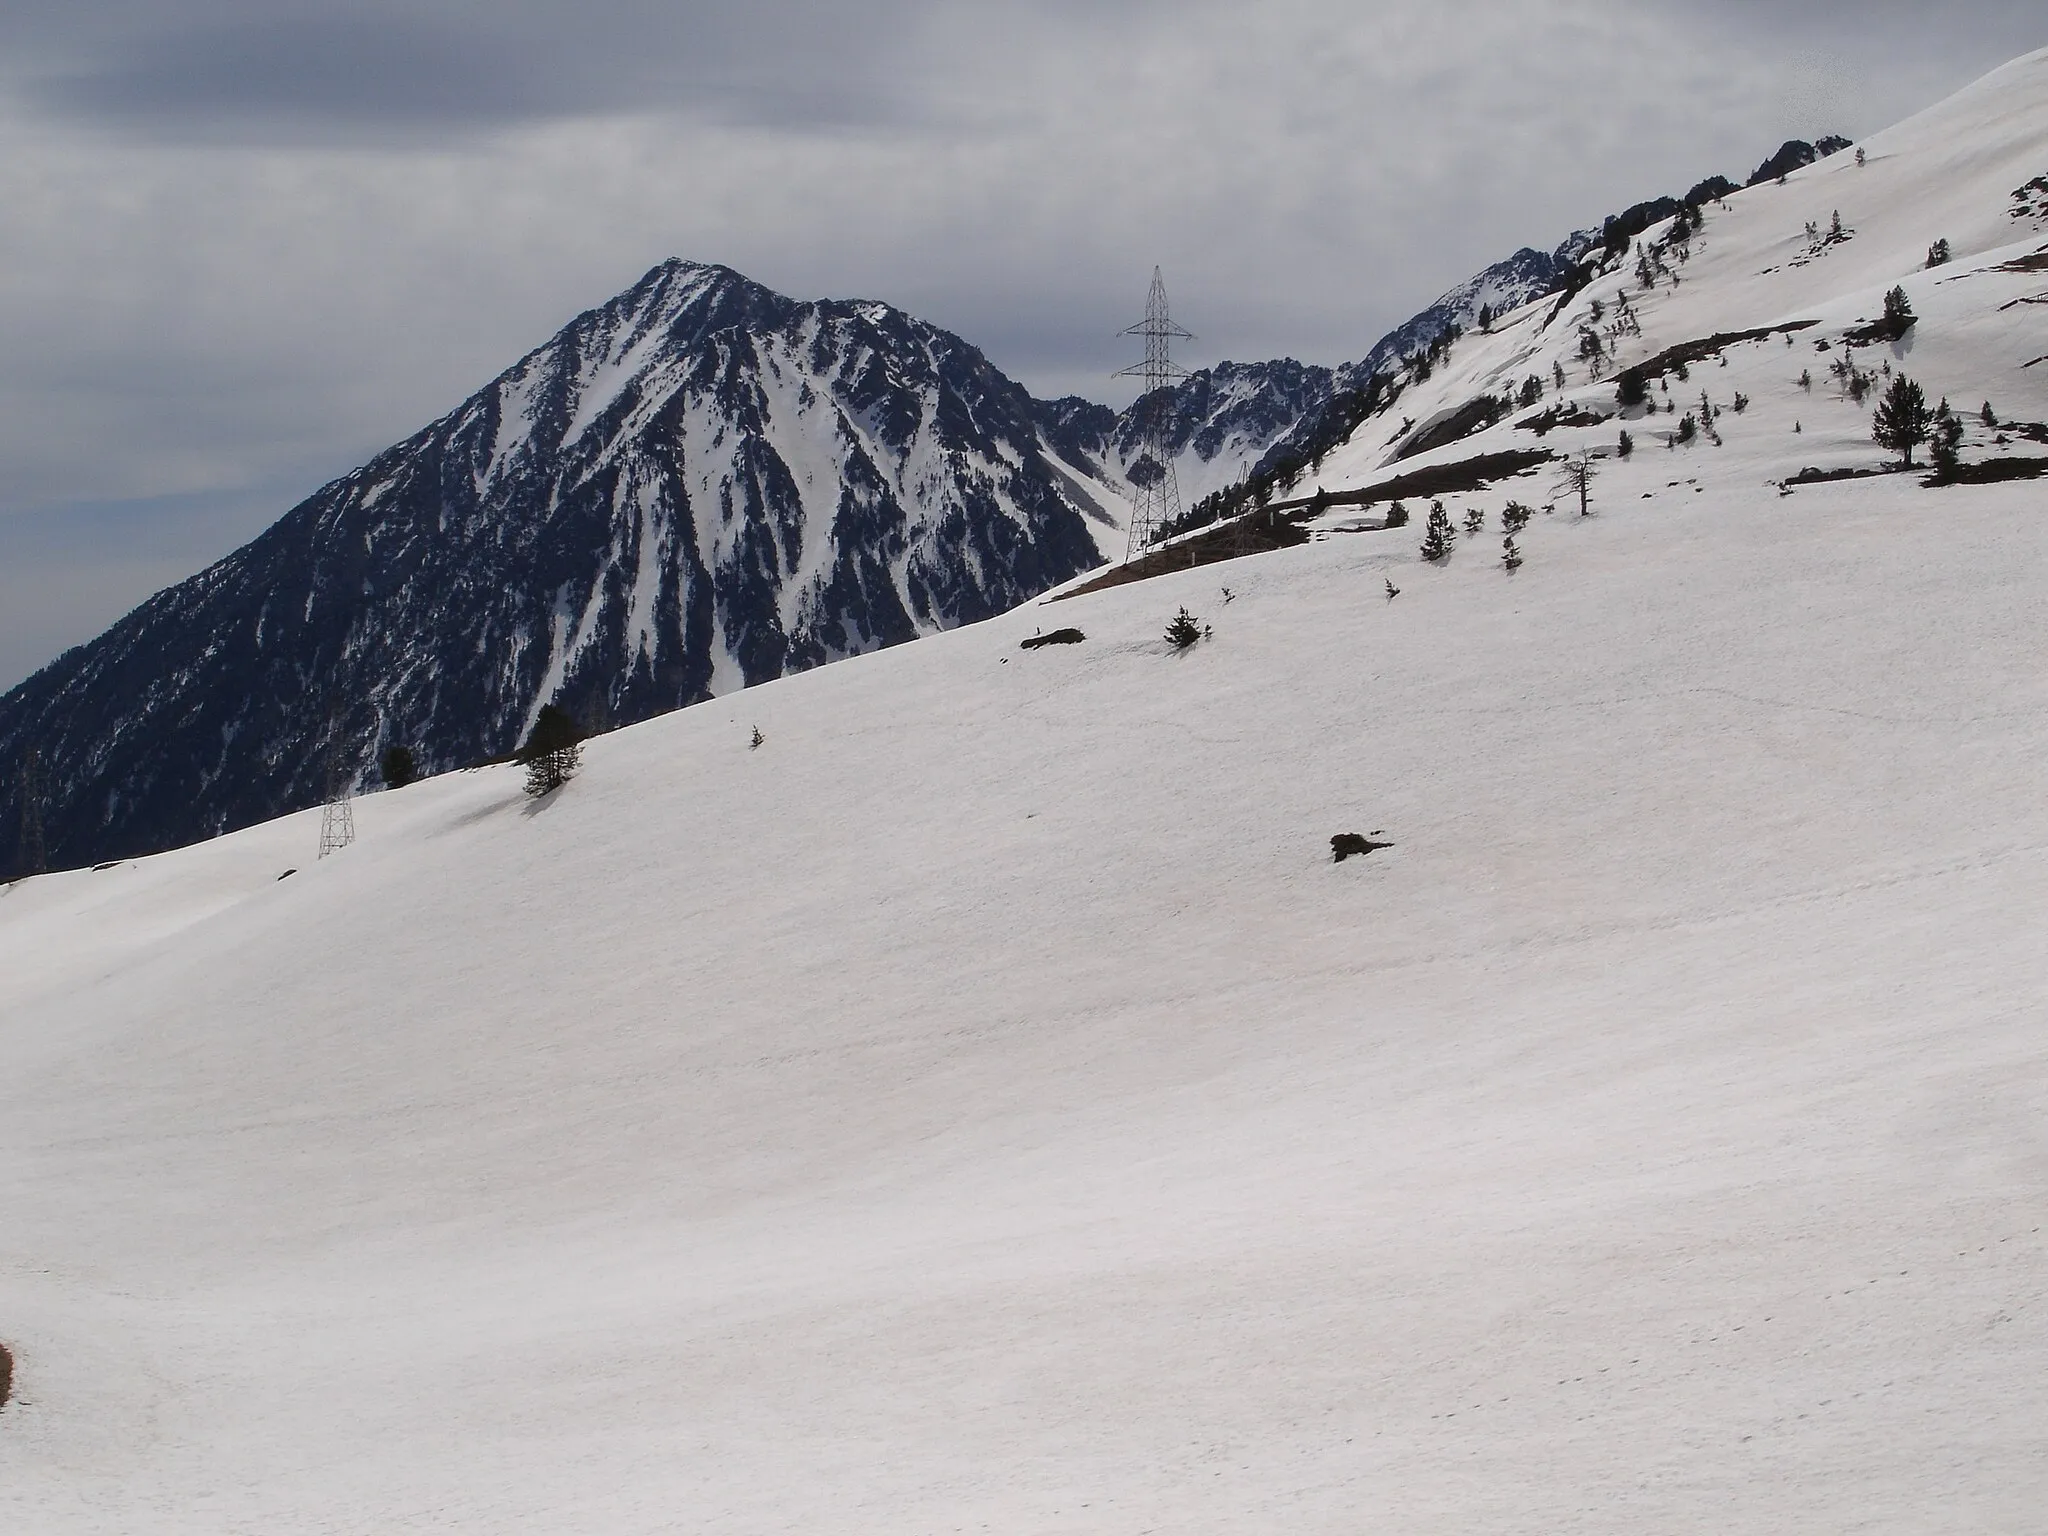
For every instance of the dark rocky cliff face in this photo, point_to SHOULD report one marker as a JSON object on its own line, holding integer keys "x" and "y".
{"x": 699, "y": 486}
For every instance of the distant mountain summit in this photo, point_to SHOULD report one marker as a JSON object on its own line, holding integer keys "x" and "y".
{"x": 1219, "y": 421}
{"x": 1796, "y": 155}
{"x": 698, "y": 486}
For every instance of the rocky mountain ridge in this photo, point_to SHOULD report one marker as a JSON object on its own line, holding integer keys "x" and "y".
{"x": 695, "y": 487}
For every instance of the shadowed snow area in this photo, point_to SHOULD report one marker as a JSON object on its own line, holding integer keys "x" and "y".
{"x": 985, "y": 1106}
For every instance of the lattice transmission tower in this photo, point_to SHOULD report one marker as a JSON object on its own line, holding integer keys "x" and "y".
{"x": 337, "y": 817}
{"x": 1156, "y": 502}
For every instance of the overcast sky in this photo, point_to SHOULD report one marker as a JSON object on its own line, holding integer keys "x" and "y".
{"x": 244, "y": 244}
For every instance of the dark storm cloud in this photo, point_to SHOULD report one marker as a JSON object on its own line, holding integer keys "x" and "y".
{"x": 225, "y": 70}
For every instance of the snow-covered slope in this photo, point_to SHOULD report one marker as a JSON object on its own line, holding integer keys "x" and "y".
{"x": 700, "y": 485}
{"x": 1764, "y": 262}
{"x": 984, "y": 1104}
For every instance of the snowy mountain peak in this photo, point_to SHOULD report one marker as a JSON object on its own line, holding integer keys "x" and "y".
{"x": 697, "y": 486}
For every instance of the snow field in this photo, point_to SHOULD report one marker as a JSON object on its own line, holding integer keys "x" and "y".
{"x": 986, "y": 1106}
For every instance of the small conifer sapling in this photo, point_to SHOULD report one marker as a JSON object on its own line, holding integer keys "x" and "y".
{"x": 1184, "y": 630}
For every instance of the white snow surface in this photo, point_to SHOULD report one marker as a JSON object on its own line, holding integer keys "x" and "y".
{"x": 985, "y": 1106}
{"x": 1946, "y": 174}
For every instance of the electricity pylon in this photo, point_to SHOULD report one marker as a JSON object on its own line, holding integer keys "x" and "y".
{"x": 337, "y": 817}
{"x": 1156, "y": 502}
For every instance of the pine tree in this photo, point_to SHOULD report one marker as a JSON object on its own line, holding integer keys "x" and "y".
{"x": 1439, "y": 536}
{"x": 1184, "y": 630}
{"x": 552, "y": 753}
{"x": 1902, "y": 421}
{"x": 1510, "y": 556}
{"x": 1474, "y": 521}
{"x": 1626, "y": 447}
{"x": 1945, "y": 442}
{"x": 1576, "y": 479}
{"x": 1631, "y": 389}
{"x": 1898, "y": 311}
{"x": 397, "y": 767}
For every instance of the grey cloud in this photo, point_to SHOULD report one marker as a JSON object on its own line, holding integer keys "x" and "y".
{"x": 285, "y": 73}
{"x": 381, "y": 71}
